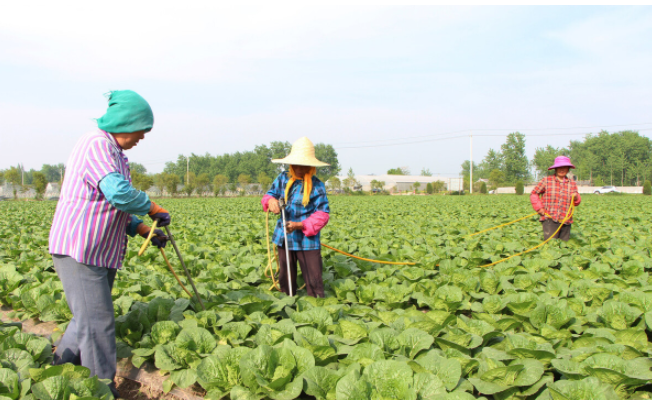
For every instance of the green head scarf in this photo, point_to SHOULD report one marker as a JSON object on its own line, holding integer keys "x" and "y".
{"x": 128, "y": 112}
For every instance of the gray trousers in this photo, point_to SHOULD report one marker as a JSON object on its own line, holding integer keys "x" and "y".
{"x": 550, "y": 227}
{"x": 89, "y": 339}
{"x": 311, "y": 268}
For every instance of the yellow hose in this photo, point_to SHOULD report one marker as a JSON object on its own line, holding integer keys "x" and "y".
{"x": 270, "y": 261}
{"x": 568, "y": 216}
{"x": 149, "y": 238}
{"x": 368, "y": 259}
{"x": 269, "y": 268}
{"x": 505, "y": 224}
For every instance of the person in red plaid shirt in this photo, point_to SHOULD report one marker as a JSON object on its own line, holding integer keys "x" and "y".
{"x": 551, "y": 199}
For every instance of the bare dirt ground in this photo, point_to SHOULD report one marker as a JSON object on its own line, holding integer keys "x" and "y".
{"x": 132, "y": 390}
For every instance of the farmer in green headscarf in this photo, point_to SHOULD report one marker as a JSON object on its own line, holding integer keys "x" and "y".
{"x": 96, "y": 212}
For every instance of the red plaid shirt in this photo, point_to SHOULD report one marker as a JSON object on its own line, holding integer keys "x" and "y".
{"x": 555, "y": 197}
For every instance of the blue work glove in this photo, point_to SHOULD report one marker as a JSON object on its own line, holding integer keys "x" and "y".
{"x": 160, "y": 213}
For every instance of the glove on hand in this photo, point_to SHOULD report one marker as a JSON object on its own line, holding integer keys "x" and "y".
{"x": 159, "y": 239}
{"x": 158, "y": 212}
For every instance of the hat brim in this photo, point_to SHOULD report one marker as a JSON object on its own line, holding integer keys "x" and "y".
{"x": 561, "y": 165}
{"x": 308, "y": 162}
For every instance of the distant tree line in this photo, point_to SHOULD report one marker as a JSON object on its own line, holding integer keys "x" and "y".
{"x": 199, "y": 174}
{"x": 227, "y": 172}
{"x": 619, "y": 158}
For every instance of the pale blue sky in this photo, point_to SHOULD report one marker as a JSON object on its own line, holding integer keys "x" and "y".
{"x": 226, "y": 79}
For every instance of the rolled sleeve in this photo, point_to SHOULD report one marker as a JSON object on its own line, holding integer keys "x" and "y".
{"x": 265, "y": 202}
{"x": 132, "y": 226}
{"x": 121, "y": 195}
{"x": 314, "y": 223}
{"x": 534, "y": 195}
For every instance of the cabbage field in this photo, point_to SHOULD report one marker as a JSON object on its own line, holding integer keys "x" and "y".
{"x": 567, "y": 321}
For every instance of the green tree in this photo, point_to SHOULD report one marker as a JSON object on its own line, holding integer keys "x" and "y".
{"x": 493, "y": 160}
{"x": 399, "y": 171}
{"x": 497, "y": 178}
{"x": 466, "y": 172}
{"x": 202, "y": 183}
{"x": 13, "y": 175}
{"x": 141, "y": 181}
{"x": 2, "y": 176}
{"x": 335, "y": 183}
{"x": 514, "y": 158}
{"x": 598, "y": 181}
{"x": 136, "y": 167}
{"x": 168, "y": 182}
{"x": 544, "y": 157}
{"x": 605, "y": 154}
{"x": 377, "y": 185}
{"x": 425, "y": 172}
{"x": 350, "y": 181}
{"x": 519, "y": 187}
{"x": 218, "y": 183}
{"x": 327, "y": 154}
{"x": 429, "y": 188}
{"x": 483, "y": 188}
{"x": 40, "y": 184}
{"x": 244, "y": 180}
{"x": 416, "y": 186}
{"x": 190, "y": 185}
{"x": 264, "y": 180}
{"x": 53, "y": 173}
{"x": 647, "y": 188}
{"x": 438, "y": 186}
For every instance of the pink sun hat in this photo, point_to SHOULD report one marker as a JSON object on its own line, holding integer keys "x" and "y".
{"x": 561, "y": 161}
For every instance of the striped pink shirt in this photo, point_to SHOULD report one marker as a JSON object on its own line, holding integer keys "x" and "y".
{"x": 86, "y": 227}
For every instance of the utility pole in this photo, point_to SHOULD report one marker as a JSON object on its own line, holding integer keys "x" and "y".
{"x": 471, "y": 166}
{"x": 622, "y": 178}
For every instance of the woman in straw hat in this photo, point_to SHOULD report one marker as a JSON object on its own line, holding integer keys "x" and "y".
{"x": 551, "y": 198}
{"x": 307, "y": 212}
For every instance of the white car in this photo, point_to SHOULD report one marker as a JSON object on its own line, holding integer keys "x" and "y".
{"x": 606, "y": 189}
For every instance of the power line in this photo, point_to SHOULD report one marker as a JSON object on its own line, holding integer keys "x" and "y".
{"x": 462, "y": 136}
{"x": 450, "y": 137}
{"x": 499, "y": 129}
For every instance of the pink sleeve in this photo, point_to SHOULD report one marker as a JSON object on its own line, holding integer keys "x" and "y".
{"x": 536, "y": 201}
{"x": 265, "y": 201}
{"x": 314, "y": 223}
{"x": 534, "y": 196}
{"x": 578, "y": 199}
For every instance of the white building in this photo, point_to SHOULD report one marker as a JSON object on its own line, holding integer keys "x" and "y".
{"x": 405, "y": 182}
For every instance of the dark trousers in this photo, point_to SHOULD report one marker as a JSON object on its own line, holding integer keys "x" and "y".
{"x": 89, "y": 339}
{"x": 311, "y": 266}
{"x": 550, "y": 227}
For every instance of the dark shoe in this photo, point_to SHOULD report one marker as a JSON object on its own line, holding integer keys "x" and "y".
{"x": 114, "y": 390}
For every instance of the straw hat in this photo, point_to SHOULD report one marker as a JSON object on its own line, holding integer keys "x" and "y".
{"x": 302, "y": 153}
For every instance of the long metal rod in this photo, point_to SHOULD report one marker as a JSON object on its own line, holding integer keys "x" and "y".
{"x": 287, "y": 251}
{"x": 176, "y": 249}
